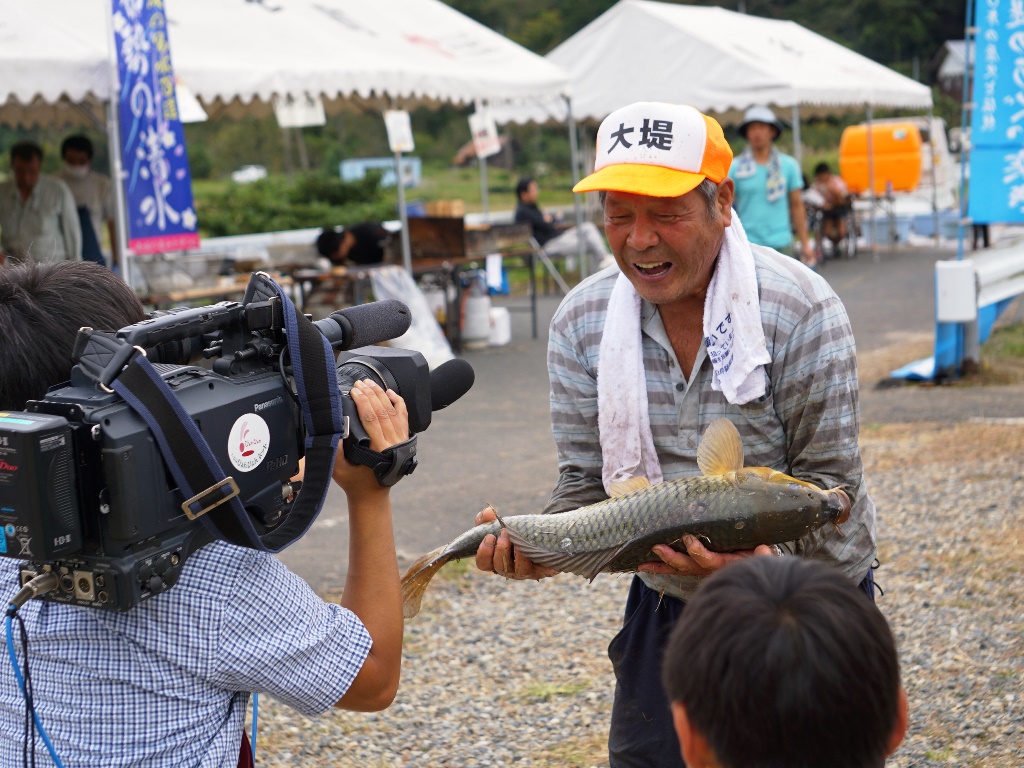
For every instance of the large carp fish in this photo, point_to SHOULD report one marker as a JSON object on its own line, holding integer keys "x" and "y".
{"x": 728, "y": 506}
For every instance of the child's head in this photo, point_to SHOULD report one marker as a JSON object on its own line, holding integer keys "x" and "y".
{"x": 783, "y": 661}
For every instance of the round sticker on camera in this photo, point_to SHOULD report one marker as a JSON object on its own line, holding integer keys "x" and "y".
{"x": 248, "y": 442}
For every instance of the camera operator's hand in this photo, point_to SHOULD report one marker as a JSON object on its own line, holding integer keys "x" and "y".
{"x": 498, "y": 555}
{"x": 386, "y": 420}
{"x": 372, "y": 590}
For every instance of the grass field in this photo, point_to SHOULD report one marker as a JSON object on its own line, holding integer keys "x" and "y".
{"x": 448, "y": 183}
{"x": 1002, "y": 355}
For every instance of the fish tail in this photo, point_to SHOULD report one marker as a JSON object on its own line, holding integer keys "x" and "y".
{"x": 418, "y": 577}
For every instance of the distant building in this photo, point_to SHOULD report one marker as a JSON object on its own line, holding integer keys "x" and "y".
{"x": 948, "y": 67}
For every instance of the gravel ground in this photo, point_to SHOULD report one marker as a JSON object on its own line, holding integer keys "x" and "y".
{"x": 515, "y": 673}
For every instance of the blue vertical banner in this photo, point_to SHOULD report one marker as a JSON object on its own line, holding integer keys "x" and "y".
{"x": 996, "y": 192}
{"x": 157, "y": 183}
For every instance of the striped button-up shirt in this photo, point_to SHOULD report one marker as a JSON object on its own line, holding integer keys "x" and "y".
{"x": 44, "y": 227}
{"x": 166, "y": 684}
{"x": 806, "y": 424}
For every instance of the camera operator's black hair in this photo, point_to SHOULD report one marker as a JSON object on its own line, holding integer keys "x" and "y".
{"x": 26, "y": 150}
{"x": 42, "y": 306}
{"x": 522, "y": 185}
{"x": 78, "y": 143}
{"x": 783, "y": 661}
{"x": 328, "y": 241}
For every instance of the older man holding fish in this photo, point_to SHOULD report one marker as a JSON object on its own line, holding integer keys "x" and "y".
{"x": 694, "y": 325}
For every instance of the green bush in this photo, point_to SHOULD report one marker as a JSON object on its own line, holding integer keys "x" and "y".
{"x": 275, "y": 204}
{"x": 200, "y": 163}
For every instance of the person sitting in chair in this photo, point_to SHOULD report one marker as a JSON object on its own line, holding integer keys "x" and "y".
{"x": 557, "y": 239}
{"x": 836, "y": 202}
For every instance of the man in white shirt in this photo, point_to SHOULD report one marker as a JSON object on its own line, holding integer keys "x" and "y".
{"x": 38, "y": 219}
{"x": 91, "y": 189}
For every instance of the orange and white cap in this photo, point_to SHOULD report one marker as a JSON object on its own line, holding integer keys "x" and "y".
{"x": 656, "y": 149}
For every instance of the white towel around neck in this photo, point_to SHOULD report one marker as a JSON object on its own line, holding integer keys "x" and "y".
{"x": 735, "y": 344}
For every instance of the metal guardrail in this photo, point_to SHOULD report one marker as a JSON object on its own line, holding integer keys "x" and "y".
{"x": 966, "y": 285}
{"x": 999, "y": 275}
{"x": 969, "y": 293}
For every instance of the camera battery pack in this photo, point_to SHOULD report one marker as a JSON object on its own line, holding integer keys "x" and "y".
{"x": 38, "y": 507}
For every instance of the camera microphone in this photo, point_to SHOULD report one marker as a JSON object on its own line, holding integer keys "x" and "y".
{"x": 450, "y": 381}
{"x": 366, "y": 324}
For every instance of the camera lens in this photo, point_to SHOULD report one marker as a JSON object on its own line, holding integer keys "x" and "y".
{"x": 359, "y": 368}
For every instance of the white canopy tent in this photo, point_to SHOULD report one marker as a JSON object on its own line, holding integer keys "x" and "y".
{"x": 236, "y": 55}
{"x": 718, "y": 61}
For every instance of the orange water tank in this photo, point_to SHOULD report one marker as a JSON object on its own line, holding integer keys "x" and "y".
{"x": 896, "y": 148}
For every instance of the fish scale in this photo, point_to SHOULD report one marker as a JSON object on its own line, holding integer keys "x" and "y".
{"x": 727, "y": 507}
{"x": 712, "y": 508}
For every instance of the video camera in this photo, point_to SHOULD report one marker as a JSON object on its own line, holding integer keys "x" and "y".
{"x": 93, "y": 490}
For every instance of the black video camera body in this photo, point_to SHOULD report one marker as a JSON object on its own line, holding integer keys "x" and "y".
{"x": 91, "y": 497}
{"x": 85, "y": 491}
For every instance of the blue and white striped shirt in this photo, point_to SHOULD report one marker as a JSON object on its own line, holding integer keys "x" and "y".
{"x": 806, "y": 425}
{"x": 167, "y": 683}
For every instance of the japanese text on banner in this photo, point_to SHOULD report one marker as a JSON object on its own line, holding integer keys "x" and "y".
{"x": 996, "y": 192}
{"x": 157, "y": 184}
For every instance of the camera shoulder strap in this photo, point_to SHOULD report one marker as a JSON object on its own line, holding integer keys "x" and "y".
{"x": 211, "y": 495}
{"x": 316, "y": 385}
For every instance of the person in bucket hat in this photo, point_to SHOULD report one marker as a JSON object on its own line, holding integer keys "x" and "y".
{"x": 768, "y": 185}
{"x": 759, "y": 114}
{"x": 693, "y": 323}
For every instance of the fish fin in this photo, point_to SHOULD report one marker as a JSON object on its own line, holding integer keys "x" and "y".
{"x": 416, "y": 579}
{"x": 585, "y": 564}
{"x": 721, "y": 449}
{"x": 623, "y": 487}
{"x": 770, "y": 475}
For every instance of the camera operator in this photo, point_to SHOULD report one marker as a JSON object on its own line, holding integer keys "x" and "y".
{"x": 167, "y": 682}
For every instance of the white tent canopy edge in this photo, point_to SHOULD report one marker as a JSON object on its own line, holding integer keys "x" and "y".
{"x": 235, "y": 56}
{"x": 718, "y": 61}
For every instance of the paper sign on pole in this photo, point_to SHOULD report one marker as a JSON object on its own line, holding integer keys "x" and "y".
{"x": 399, "y": 130}
{"x": 298, "y": 111}
{"x": 189, "y": 108}
{"x": 157, "y": 184}
{"x": 485, "y": 134}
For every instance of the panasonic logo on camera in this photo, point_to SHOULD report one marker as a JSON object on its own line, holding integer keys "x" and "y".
{"x": 262, "y": 406}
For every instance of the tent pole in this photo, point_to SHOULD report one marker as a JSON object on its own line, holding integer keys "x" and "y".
{"x": 968, "y": 339}
{"x": 798, "y": 151}
{"x": 966, "y": 109}
{"x": 935, "y": 184}
{"x": 484, "y": 202}
{"x": 116, "y": 163}
{"x": 871, "y": 188}
{"x": 482, "y": 161}
{"x": 574, "y": 156}
{"x": 402, "y": 214}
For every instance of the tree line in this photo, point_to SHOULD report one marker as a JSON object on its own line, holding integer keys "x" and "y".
{"x": 892, "y": 32}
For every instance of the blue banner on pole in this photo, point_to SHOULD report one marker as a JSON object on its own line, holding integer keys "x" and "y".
{"x": 996, "y": 192}
{"x": 157, "y": 184}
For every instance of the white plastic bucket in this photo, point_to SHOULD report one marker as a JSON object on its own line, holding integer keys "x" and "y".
{"x": 476, "y": 320}
{"x": 501, "y": 327}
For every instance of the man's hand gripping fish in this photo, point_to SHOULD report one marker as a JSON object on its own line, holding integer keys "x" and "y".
{"x": 729, "y": 507}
